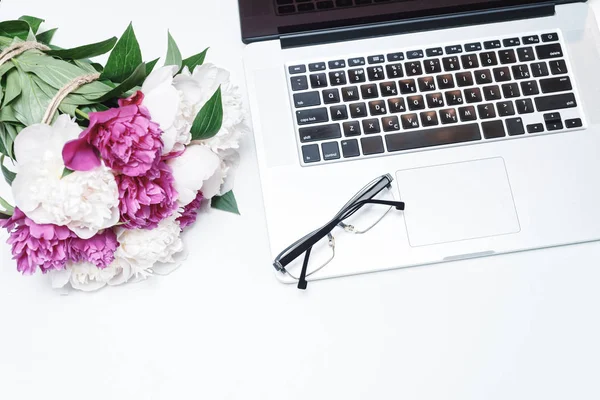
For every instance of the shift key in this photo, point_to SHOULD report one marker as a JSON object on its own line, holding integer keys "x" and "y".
{"x": 312, "y": 116}
{"x": 555, "y": 102}
{"x": 321, "y": 132}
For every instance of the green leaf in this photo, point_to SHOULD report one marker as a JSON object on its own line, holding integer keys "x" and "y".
{"x": 8, "y": 133}
{"x": 173, "y": 53}
{"x": 46, "y": 37}
{"x": 124, "y": 59}
{"x": 34, "y": 23}
{"x": 135, "y": 79}
{"x": 9, "y": 176}
{"x": 210, "y": 118}
{"x": 7, "y": 208}
{"x": 193, "y": 61}
{"x": 13, "y": 29}
{"x": 7, "y": 114}
{"x": 226, "y": 202}
{"x": 150, "y": 66}
{"x": 4, "y": 68}
{"x": 66, "y": 172}
{"x": 33, "y": 102}
{"x": 13, "y": 87}
{"x": 87, "y": 51}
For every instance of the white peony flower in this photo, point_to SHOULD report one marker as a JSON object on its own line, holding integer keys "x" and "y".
{"x": 84, "y": 276}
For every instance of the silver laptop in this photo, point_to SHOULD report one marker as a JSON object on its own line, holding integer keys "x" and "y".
{"x": 486, "y": 114}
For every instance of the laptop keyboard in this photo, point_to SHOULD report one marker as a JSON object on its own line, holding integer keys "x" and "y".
{"x": 299, "y": 6}
{"x": 378, "y": 104}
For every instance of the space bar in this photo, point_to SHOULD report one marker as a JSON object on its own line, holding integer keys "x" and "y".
{"x": 433, "y": 137}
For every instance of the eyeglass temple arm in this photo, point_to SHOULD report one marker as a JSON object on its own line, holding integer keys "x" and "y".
{"x": 302, "y": 284}
{"x": 306, "y": 245}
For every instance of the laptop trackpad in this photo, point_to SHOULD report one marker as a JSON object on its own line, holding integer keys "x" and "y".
{"x": 452, "y": 202}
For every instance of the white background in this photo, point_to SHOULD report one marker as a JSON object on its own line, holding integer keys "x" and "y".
{"x": 522, "y": 326}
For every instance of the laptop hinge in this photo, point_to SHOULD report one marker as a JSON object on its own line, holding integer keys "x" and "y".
{"x": 417, "y": 25}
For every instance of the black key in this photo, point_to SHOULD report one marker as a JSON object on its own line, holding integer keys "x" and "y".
{"x": 337, "y": 78}
{"x": 473, "y": 95}
{"x": 350, "y": 148}
{"x": 573, "y": 123}
{"x": 450, "y": 63}
{"x": 371, "y": 126}
{"x": 357, "y": 75}
{"x": 555, "y": 102}
{"x": 307, "y": 99}
{"x": 507, "y": 56}
{"x": 521, "y": 71}
{"x": 331, "y": 151}
{"x": 390, "y": 123}
{"x": 533, "y": 39}
{"x": 493, "y": 129}
{"x": 432, "y": 66}
{"x": 502, "y": 74}
{"x": 457, "y": 48}
{"x": 445, "y": 81}
{"x": 510, "y": 90}
{"x": 310, "y": 153}
{"x": 429, "y": 118}
{"x": 409, "y": 121}
{"x": 552, "y": 117}
{"x": 550, "y": 37}
{"x": 318, "y": 80}
{"x": 435, "y": 100}
{"x": 411, "y": 55}
{"x": 473, "y": 46}
{"x": 299, "y": 83}
{"x": 372, "y": 145}
{"x": 306, "y": 7}
{"x": 407, "y": 86}
{"x": 448, "y": 116}
{"x": 330, "y": 96}
{"x": 524, "y": 106}
{"x": 529, "y": 88}
{"x": 547, "y": 51}
{"x": 351, "y": 128}
{"x": 320, "y": 132}
{"x": 312, "y": 116}
{"x": 355, "y": 62}
{"x": 535, "y": 128}
{"x": 426, "y": 84}
{"x": 369, "y": 91}
{"x": 320, "y": 66}
{"x": 470, "y": 61}
{"x": 492, "y": 93}
{"x": 338, "y": 112}
{"x": 514, "y": 126}
{"x": 488, "y": 59}
{"x": 467, "y": 113}
{"x": 395, "y": 57}
{"x": 396, "y": 105}
{"x": 350, "y": 93}
{"x": 378, "y": 59}
{"x": 358, "y": 110}
{"x": 394, "y": 71}
{"x": 297, "y": 69}
{"x": 492, "y": 44}
{"x": 415, "y": 102}
{"x": 375, "y": 73}
{"x": 388, "y": 89}
{"x": 511, "y": 42}
{"x": 454, "y": 98}
{"x": 413, "y": 68}
{"x": 525, "y": 54}
{"x": 335, "y": 64}
{"x": 436, "y": 51}
{"x": 539, "y": 69}
{"x": 464, "y": 79}
{"x": 558, "y": 67}
{"x": 483, "y": 76}
{"x": 486, "y": 111}
{"x": 377, "y": 107}
{"x": 554, "y": 126}
{"x": 448, "y": 134}
{"x": 505, "y": 108}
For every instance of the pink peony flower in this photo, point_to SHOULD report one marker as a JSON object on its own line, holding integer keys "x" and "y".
{"x": 99, "y": 250}
{"x": 33, "y": 245}
{"x": 125, "y": 137}
{"x": 148, "y": 199}
{"x": 190, "y": 212}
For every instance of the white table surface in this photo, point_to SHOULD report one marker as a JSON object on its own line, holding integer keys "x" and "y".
{"x": 521, "y": 326}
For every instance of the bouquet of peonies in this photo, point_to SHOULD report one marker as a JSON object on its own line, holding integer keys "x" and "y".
{"x": 109, "y": 163}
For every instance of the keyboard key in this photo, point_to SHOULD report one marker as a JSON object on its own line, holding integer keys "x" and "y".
{"x": 493, "y": 129}
{"x": 357, "y": 61}
{"x": 337, "y": 78}
{"x": 390, "y": 123}
{"x": 554, "y": 126}
{"x": 525, "y": 54}
{"x": 371, "y": 126}
{"x": 492, "y": 44}
{"x": 552, "y": 117}
{"x": 443, "y": 135}
{"x": 330, "y": 96}
{"x": 505, "y": 108}
{"x": 307, "y": 99}
{"x": 555, "y": 102}
{"x": 375, "y": 73}
{"x": 470, "y": 61}
{"x": 550, "y": 37}
{"x": 514, "y": 126}
{"x": 378, "y": 59}
{"x": 331, "y": 151}
{"x": 415, "y": 102}
{"x": 445, "y": 81}
{"x": 432, "y": 66}
{"x": 539, "y": 69}
{"x": 411, "y": 55}
{"x": 350, "y": 148}
{"x": 457, "y": 48}
{"x": 395, "y": 57}
{"x": 450, "y": 63}
{"x": 467, "y": 113}
{"x": 511, "y": 42}
{"x": 350, "y": 93}
{"x": 413, "y": 68}
{"x": 529, "y": 88}
{"x": 336, "y": 64}
{"x": 464, "y": 79}
{"x": 520, "y": 71}
{"x": 320, "y": 132}
{"x": 573, "y": 123}
{"x": 535, "y": 128}
{"x": 473, "y": 95}
{"x": 311, "y": 154}
{"x": 396, "y": 105}
{"x": 486, "y": 111}
{"x": 437, "y": 51}
{"x": 426, "y": 84}
{"x": 409, "y": 121}
{"x": 547, "y": 51}
{"x": 510, "y": 90}
{"x": 377, "y": 107}
{"x": 524, "y": 106}
{"x": 320, "y": 66}
{"x": 369, "y": 91}
{"x": 358, "y": 110}
{"x": 338, "y": 113}
{"x": 318, "y": 80}
{"x": 502, "y": 74}
{"x": 488, "y": 59}
{"x": 351, "y": 128}
{"x": 492, "y": 93}
{"x": 435, "y": 100}
{"x": 388, "y": 89}
{"x": 394, "y": 71}
{"x": 312, "y": 116}
{"x": 558, "y": 67}
{"x": 357, "y": 75}
{"x": 473, "y": 46}
{"x": 299, "y": 83}
{"x": 507, "y": 56}
{"x": 454, "y": 98}
{"x": 429, "y": 118}
{"x": 533, "y": 39}
{"x": 483, "y": 76}
{"x": 372, "y": 145}
{"x": 407, "y": 86}
{"x": 297, "y": 69}
{"x": 448, "y": 116}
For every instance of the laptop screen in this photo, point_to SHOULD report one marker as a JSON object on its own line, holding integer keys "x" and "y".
{"x": 269, "y": 19}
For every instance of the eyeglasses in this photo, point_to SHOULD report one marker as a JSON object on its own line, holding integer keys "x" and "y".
{"x": 323, "y": 239}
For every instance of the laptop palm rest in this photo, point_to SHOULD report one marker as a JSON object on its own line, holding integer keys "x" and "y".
{"x": 460, "y": 201}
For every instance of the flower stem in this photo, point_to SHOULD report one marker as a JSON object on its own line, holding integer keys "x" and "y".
{"x": 82, "y": 114}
